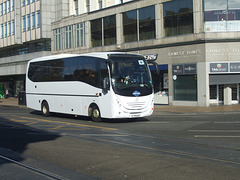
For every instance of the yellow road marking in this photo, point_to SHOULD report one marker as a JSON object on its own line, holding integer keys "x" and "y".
{"x": 16, "y": 120}
{"x": 31, "y": 123}
{"x": 57, "y": 127}
{"x": 82, "y": 125}
{"x": 42, "y": 125}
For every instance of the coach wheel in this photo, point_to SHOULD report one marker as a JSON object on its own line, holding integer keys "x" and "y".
{"x": 95, "y": 114}
{"x": 45, "y": 109}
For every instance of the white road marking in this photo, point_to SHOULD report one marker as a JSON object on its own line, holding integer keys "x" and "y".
{"x": 213, "y": 136}
{"x": 228, "y": 122}
{"x": 112, "y": 135}
{"x": 227, "y": 131}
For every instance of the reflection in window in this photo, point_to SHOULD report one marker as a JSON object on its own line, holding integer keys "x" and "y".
{"x": 28, "y": 22}
{"x": 139, "y": 24}
{"x": 178, "y": 17}
{"x": 38, "y": 19}
{"x": 130, "y": 26}
{"x": 222, "y": 15}
{"x": 13, "y": 27}
{"x": 90, "y": 70}
{"x": 103, "y": 31}
{"x": 185, "y": 88}
{"x": 2, "y": 31}
{"x": 58, "y": 39}
{"x": 80, "y": 34}
{"x": 33, "y": 21}
{"x": 213, "y": 92}
{"x": 9, "y": 28}
{"x": 147, "y": 23}
{"x": 109, "y": 30}
{"x": 24, "y": 23}
{"x": 68, "y": 37}
{"x": 96, "y": 32}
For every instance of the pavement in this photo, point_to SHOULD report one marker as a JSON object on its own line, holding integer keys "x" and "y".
{"x": 157, "y": 108}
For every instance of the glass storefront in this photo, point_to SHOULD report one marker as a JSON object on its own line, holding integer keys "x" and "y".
{"x": 235, "y": 95}
{"x": 185, "y": 88}
{"x": 185, "y": 82}
{"x": 217, "y": 93}
{"x": 11, "y": 86}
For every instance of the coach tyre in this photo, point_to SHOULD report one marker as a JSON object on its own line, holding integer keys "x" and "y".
{"x": 45, "y": 108}
{"x": 95, "y": 114}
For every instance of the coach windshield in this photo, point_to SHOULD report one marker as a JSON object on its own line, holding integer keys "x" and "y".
{"x": 130, "y": 75}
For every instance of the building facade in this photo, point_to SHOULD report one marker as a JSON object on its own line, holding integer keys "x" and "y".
{"x": 196, "y": 42}
{"x": 25, "y": 33}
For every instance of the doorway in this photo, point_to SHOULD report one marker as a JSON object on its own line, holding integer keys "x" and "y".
{"x": 217, "y": 93}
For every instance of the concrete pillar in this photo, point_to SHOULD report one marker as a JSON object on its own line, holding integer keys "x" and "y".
{"x": 227, "y": 95}
{"x": 203, "y": 84}
{"x": 198, "y": 16}
{"x": 88, "y": 34}
{"x": 170, "y": 84}
{"x": 119, "y": 26}
{"x": 159, "y": 21}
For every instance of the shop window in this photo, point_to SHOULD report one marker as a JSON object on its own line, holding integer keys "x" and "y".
{"x": 185, "y": 88}
{"x": 216, "y": 92}
{"x": 234, "y": 92}
{"x": 213, "y": 92}
{"x": 221, "y": 15}
{"x": 178, "y": 17}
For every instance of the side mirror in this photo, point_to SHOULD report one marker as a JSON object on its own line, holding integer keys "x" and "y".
{"x": 105, "y": 85}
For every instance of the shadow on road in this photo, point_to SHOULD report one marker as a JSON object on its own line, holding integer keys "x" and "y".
{"x": 15, "y": 137}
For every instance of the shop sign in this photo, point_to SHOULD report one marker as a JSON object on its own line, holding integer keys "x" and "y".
{"x": 190, "y": 68}
{"x": 235, "y": 67}
{"x": 218, "y": 67}
{"x": 177, "y": 69}
{"x": 231, "y": 67}
{"x": 184, "y": 69}
{"x": 151, "y": 57}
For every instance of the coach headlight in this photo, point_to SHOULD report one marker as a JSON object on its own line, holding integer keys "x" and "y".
{"x": 118, "y": 102}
